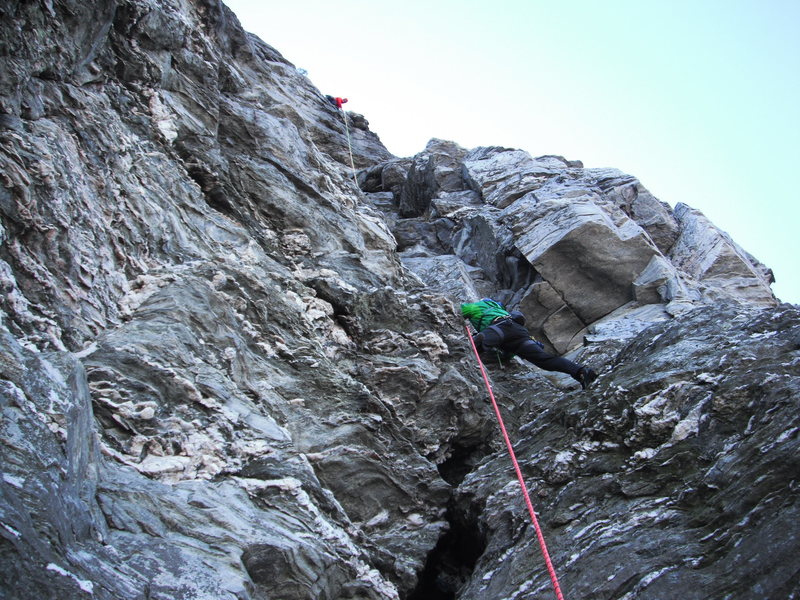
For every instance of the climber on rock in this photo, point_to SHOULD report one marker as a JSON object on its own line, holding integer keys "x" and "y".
{"x": 337, "y": 102}
{"x": 504, "y": 331}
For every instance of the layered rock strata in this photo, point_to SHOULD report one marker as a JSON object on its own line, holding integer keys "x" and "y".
{"x": 231, "y": 367}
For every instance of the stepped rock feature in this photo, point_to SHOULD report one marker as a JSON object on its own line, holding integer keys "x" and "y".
{"x": 228, "y": 371}
{"x": 571, "y": 245}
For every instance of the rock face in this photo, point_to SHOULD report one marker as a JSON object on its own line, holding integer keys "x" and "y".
{"x": 231, "y": 367}
{"x": 572, "y": 246}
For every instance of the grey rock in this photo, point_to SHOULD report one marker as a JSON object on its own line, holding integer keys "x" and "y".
{"x": 502, "y": 175}
{"x": 549, "y": 224}
{"x": 675, "y": 470}
{"x": 446, "y": 274}
{"x": 228, "y": 372}
{"x": 577, "y": 247}
{"x": 557, "y": 324}
{"x": 435, "y": 169}
{"x": 639, "y": 204}
{"x": 723, "y": 268}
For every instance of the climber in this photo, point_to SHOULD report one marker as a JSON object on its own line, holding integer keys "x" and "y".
{"x": 337, "y": 102}
{"x": 504, "y": 331}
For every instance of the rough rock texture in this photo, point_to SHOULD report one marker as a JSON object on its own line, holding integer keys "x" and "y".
{"x": 570, "y": 245}
{"x": 228, "y": 372}
{"x": 679, "y": 471}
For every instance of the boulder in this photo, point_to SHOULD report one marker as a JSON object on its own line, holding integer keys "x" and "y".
{"x": 590, "y": 259}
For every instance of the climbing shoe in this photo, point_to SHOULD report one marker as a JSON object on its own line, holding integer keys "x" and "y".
{"x": 586, "y": 376}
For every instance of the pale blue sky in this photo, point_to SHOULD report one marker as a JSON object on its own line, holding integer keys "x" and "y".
{"x": 700, "y": 100}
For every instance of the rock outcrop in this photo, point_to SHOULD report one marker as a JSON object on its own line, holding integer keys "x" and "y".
{"x": 573, "y": 247}
{"x": 231, "y": 367}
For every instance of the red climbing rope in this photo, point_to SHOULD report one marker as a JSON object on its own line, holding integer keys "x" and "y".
{"x": 535, "y": 521}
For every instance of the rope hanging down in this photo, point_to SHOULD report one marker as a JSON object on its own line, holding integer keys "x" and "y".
{"x": 349, "y": 145}
{"x": 534, "y": 520}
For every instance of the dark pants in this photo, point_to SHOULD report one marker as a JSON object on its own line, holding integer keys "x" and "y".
{"x": 513, "y": 338}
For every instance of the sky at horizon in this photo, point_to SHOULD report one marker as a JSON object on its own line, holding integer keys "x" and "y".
{"x": 699, "y": 100}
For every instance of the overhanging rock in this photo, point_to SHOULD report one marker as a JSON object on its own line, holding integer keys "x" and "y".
{"x": 588, "y": 258}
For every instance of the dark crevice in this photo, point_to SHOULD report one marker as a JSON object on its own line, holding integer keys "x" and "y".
{"x": 462, "y": 460}
{"x": 452, "y": 561}
{"x": 211, "y": 187}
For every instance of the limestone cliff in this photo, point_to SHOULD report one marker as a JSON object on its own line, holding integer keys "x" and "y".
{"x": 231, "y": 367}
